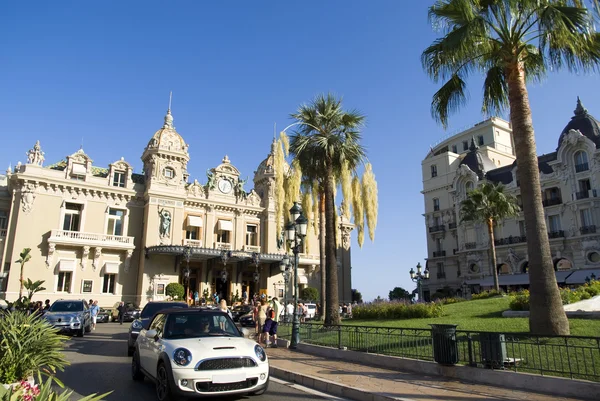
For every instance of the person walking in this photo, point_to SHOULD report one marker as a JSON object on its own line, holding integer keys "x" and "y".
{"x": 94, "y": 310}
{"x": 272, "y": 322}
{"x": 262, "y": 318}
{"x": 121, "y": 311}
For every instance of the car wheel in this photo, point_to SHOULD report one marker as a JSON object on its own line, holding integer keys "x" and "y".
{"x": 88, "y": 328}
{"x": 81, "y": 332}
{"x": 130, "y": 351}
{"x": 163, "y": 386}
{"x": 262, "y": 390}
{"x": 136, "y": 371}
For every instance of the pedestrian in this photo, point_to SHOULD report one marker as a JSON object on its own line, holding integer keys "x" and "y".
{"x": 196, "y": 298}
{"x": 47, "y": 306}
{"x": 272, "y": 322}
{"x": 121, "y": 310}
{"x": 290, "y": 312}
{"x": 94, "y": 310}
{"x": 262, "y": 318}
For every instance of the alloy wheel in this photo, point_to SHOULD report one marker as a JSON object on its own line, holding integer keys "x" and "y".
{"x": 162, "y": 383}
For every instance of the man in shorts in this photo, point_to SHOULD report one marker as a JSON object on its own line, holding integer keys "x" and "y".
{"x": 272, "y": 322}
{"x": 94, "y": 310}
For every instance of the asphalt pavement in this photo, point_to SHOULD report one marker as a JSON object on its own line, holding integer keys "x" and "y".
{"x": 99, "y": 364}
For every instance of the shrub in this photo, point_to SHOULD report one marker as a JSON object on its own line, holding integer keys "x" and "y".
{"x": 310, "y": 294}
{"x": 397, "y": 310}
{"x": 487, "y": 294}
{"x": 520, "y": 301}
{"x": 175, "y": 291}
{"x": 42, "y": 392}
{"x": 28, "y": 346}
{"x": 452, "y": 300}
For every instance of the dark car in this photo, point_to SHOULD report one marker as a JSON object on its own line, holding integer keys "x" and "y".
{"x": 70, "y": 316}
{"x": 144, "y": 318}
{"x": 247, "y": 320}
{"x": 104, "y": 315}
{"x": 240, "y": 311}
{"x": 132, "y": 312}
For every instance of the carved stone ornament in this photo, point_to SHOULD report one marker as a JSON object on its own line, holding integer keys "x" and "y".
{"x": 253, "y": 199}
{"x": 196, "y": 190}
{"x": 128, "y": 256}
{"x": 573, "y": 136}
{"x": 346, "y": 240}
{"x": 51, "y": 250}
{"x": 84, "y": 257}
{"x": 27, "y": 197}
{"x": 513, "y": 259}
{"x": 35, "y": 155}
{"x": 164, "y": 229}
{"x": 97, "y": 254}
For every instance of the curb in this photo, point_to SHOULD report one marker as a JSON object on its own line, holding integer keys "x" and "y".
{"x": 330, "y": 387}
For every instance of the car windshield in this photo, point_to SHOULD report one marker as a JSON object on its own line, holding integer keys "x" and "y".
{"x": 196, "y": 325}
{"x": 66, "y": 307}
{"x": 151, "y": 308}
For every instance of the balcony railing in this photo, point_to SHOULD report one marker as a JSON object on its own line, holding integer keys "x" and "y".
{"x": 551, "y": 202}
{"x": 3, "y": 233}
{"x": 452, "y": 226}
{"x": 439, "y": 254}
{"x": 252, "y": 248}
{"x": 223, "y": 245}
{"x": 434, "y": 229}
{"x": 470, "y": 245}
{"x": 510, "y": 240}
{"x": 556, "y": 234}
{"x": 581, "y": 167}
{"x": 196, "y": 243}
{"x": 82, "y": 238}
{"x": 441, "y": 275}
{"x": 582, "y": 194}
{"x": 588, "y": 230}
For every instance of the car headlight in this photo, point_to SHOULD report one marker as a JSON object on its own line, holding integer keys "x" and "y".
{"x": 260, "y": 353}
{"x": 137, "y": 325}
{"x": 182, "y": 356}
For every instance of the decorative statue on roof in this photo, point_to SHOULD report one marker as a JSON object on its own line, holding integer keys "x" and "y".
{"x": 35, "y": 155}
{"x": 281, "y": 240}
{"x": 239, "y": 189}
{"x": 165, "y": 223}
{"x": 212, "y": 180}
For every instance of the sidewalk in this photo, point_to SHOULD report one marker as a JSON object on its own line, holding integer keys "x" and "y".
{"x": 366, "y": 383}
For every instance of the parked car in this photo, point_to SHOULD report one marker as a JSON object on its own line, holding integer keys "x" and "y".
{"x": 144, "y": 318}
{"x": 194, "y": 353}
{"x": 239, "y": 311}
{"x": 70, "y": 316}
{"x": 132, "y": 312}
{"x": 311, "y": 311}
{"x": 247, "y": 320}
{"x": 104, "y": 316}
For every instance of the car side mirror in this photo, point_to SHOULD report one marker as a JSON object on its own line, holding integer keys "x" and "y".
{"x": 151, "y": 334}
{"x": 245, "y": 332}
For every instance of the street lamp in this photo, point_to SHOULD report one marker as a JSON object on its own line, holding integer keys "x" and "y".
{"x": 285, "y": 268}
{"x": 225, "y": 255}
{"x": 418, "y": 277}
{"x": 295, "y": 232}
{"x": 465, "y": 288}
{"x": 187, "y": 254}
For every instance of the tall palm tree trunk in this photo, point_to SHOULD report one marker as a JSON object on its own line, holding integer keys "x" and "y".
{"x": 322, "y": 251}
{"x": 490, "y": 226}
{"x": 332, "y": 315}
{"x": 547, "y": 315}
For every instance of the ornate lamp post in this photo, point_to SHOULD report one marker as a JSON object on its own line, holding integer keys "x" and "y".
{"x": 464, "y": 289}
{"x": 187, "y": 254}
{"x": 295, "y": 232}
{"x": 418, "y": 277}
{"x": 256, "y": 262}
{"x": 285, "y": 267}
{"x": 225, "y": 255}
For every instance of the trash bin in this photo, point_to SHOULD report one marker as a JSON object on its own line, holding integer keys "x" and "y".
{"x": 445, "y": 346}
{"x": 493, "y": 350}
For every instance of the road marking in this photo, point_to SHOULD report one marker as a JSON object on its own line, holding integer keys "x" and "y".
{"x": 308, "y": 390}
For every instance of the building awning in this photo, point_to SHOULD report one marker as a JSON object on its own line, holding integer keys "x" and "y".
{"x": 194, "y": 221}
{"x": 579, "y": 276}
{"x": 111, "y": 267}
{"x": 79, "y": 169}
{"x": 302, "y": 280}
{"x": 66, "y": 265}
{"x": 561, "y": 276}
{"x": 225, "y": 225}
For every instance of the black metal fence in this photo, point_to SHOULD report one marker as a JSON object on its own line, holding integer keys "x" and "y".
{"x": 574, "y": 357}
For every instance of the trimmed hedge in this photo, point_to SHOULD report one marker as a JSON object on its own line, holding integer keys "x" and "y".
{"x": 487, "y": 294}
{"x": 397, "y": 310}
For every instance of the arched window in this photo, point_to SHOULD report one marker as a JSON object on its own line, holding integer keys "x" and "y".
{"x": 503, "y": 269}
{"x": 581, "y": 161}
{"x": 469, "y": 186}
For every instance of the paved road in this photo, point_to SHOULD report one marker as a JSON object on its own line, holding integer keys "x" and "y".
{"x": 99, "y": 364}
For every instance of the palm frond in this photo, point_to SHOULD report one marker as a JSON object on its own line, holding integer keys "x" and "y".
{"x": 449, "y": 98}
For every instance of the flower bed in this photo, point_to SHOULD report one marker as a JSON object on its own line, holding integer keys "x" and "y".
{"x": 520, "y": 300}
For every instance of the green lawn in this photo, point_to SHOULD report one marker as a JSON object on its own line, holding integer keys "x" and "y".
{"x": 480, "y": 315}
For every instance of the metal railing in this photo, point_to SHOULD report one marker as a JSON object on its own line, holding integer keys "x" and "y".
{"x": 574, "y": 357}
{"x": 439, "y": 254}
{"x": 550, "y": 202}
{"x": 556, "y": 234}
{"x": 582, "y": 167}
{"x": 441, "y": 227}
{"x": 582, "y": 195}
{"x": 3, "y": 233}
{"x": 510, "y": 240}
{"x": 588, "y": 229}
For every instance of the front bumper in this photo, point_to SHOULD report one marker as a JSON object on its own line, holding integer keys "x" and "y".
{"x": 67, "y": 327}
{"x": 219, "y": 382}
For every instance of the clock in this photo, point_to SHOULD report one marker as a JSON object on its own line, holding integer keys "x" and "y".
{"x": 225, "y": 186}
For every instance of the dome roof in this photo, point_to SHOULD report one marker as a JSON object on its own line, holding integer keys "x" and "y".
{"x": 583, "y": 122}
{"x": 167, "y": 137}
{"x": 267, "y": 166}
{"x": 478, "y": 162}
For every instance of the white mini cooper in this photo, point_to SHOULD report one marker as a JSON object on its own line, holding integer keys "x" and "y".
{"x": 198, "y": 352}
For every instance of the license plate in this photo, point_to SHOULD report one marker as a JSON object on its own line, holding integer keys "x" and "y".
{"x": 229, "y": 378}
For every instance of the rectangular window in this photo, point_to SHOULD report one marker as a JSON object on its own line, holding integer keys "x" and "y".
{"x": 119, "y": 179}
{"x": 586, "y": 218}
{"x": 439, "y": 244}
{"x": 115, "y": 222}
{"x": 436, "y": 204}
{"x": 440, "y": 267}
{"x": 480, "y": 139}
{"x": 554, "y": 223}
{"x": 584, "y": 185}
{"x": 191, "y": 233}
{"x": 3, "y": 219}
{"x": 465, "y": 145}
{"x": 223, "y": 237}
{"x": 64, "y": 282}
{"x": 454, "y": 149}
{"x": 433, "y": 171}
{"x": 108, "y": 286}
{"x": 251, "y": 234}
{"x": 522, "y": 229}
{"x": 72, "y": 217}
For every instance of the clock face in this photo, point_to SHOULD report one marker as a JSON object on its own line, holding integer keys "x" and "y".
{"x": 225, "y": 186}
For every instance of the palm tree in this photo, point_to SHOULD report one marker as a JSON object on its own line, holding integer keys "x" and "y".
{"x": 25, "y": 257}
{"x": 331, "y": 136}
{"x": 514, "y": 42}
{"x": 489, "y": 204}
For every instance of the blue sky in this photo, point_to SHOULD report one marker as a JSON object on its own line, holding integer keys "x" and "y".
{"x": 101, "y": 73}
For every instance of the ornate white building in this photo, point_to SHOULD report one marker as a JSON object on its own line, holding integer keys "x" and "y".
{"x": 111, "y": 234}
{"x": 458, "y": 254}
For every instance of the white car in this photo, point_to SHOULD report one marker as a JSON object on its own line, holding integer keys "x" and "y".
{"x": 199, "y": 352}
{"x": 311, "y": 311}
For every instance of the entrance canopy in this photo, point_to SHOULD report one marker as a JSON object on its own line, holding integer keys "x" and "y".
{"x": 579, "y": 276}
